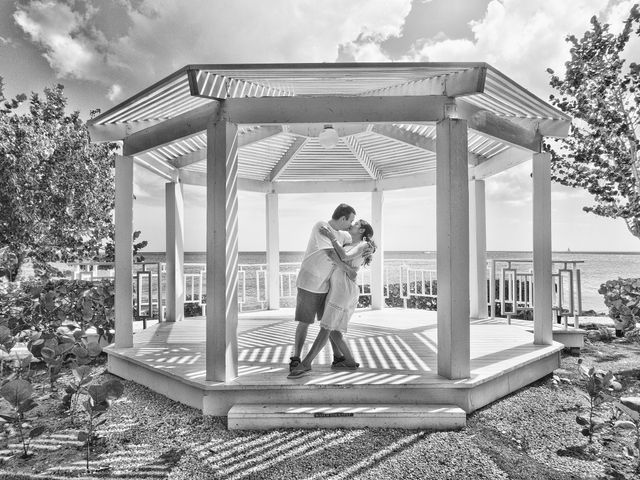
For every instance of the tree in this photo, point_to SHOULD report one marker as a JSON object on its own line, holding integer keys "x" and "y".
{"x": 601, "y": 152}
{"x": 56, "y": 188}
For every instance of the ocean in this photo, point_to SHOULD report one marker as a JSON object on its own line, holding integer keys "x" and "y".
{"x": 595, "y": 269}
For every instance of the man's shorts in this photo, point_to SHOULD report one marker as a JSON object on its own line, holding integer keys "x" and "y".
{"x": 308, "y": 305}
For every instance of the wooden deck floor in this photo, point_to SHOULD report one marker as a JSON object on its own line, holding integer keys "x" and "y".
{"x": 394, "y": 347}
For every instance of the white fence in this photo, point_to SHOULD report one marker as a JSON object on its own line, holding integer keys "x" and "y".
{"x": 509, "y": 285}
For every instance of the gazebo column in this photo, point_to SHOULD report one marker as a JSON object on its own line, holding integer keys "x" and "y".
{"x": 452, "y": 217}
{"x": 273, "y": 252}
{"x": 542, "y": 280}
{"x": 174, "y": 211}
{"x": 124, "y": 252}
{"x": 477, "y": 250}
{"x": 377, "y": 266}
{"x": 222, "y": 251}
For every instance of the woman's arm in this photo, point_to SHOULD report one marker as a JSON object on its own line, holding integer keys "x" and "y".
{"x": 351, "y": 272}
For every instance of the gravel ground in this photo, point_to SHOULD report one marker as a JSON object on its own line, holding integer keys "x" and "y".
{"x": 530, "y": 434}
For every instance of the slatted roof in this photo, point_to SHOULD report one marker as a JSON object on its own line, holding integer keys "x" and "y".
{"x": 290, "y": 153}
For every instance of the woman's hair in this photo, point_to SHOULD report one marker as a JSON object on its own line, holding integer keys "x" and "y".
{"x": 367, "y": 236}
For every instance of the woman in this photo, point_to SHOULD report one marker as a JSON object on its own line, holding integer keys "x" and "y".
{"x": 342, "y": 298}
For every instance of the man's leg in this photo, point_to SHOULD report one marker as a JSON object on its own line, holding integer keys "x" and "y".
{"x": 300, "y": 338}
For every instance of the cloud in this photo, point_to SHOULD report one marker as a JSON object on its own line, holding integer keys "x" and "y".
{"x": 114, "y": 92}
{"x": 4, "y": 41}
{"x": 162, "y": 35}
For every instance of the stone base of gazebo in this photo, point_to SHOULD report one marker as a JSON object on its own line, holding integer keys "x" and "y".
{"x": 396, "y": 349}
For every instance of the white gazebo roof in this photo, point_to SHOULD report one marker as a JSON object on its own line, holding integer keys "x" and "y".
{"x": 164, "y": 126}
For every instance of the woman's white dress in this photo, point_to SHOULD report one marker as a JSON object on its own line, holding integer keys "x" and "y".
{"x": 342, "y": 298}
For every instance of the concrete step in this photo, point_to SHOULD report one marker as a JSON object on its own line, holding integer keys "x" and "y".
{"x": 265, "y": 417}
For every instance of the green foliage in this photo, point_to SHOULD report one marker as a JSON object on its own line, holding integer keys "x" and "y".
{"x": 622, "y": 296}
{"x": 72, "y": 304}
{"x": 19, "y": 394}
{"x": 602, "y": 95}
{"x": 597, "y": 388}
{"x": 56, "y": 188}
{"x": 64, "y": 347}
{"x": 395, "y": 298}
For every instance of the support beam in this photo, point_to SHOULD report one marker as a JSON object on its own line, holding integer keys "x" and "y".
{"x": 334, "y": 109}
{"x": 174, "y": 210}
{"x": 124, "y": 252}
{"x": 498, "y": 127}
{"x": 176, "y": 128}
{"x": 401, "y": 135}
{"x": 452, "y": 216}
{"x": 377, "y": 265}
{"x": 297, "y": 145}
{"x": 273, "y": 251}
{"x": 542, "y": 280}
{"x": 222, "y": 251}
{"x": 477, "y": 250}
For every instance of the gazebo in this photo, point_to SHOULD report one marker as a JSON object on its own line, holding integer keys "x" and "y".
{"x": 279, "y": 129}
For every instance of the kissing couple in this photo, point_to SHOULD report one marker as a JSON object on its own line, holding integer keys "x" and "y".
{"x": 327, "y": 287}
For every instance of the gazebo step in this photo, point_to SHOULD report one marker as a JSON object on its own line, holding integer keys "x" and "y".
{"x": 263, "y": 417}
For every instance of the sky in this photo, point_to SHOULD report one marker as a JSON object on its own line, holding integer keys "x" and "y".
{"x": 104, "y": 51}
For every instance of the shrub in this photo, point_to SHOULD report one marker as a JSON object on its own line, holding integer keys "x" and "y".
{"x": 622, "y": 296}
{"x": 47, "y": 306}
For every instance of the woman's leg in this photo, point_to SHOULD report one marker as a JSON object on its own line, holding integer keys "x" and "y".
{"x": 338, "y": 337}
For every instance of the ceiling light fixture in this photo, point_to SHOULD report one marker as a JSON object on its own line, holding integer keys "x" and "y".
{"x": 328, "y": 138}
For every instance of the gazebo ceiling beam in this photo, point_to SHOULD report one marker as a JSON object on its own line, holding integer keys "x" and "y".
{"x": 113, "y": 132}
{"x": 160, "y": 168}
{"x": 170, "y": 130}
{"x": 498, "y": 127}
{"x": 414, "y": 139}
{"x": 363, "y": 157}
{"x": 424, "y": 179}
{"x": 454, "y": 84}
{"x": 289, "y": 155}
{"x": 500, "y": 162}
{"x": 338, "y": 109}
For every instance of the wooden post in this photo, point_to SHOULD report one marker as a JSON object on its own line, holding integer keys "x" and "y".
{"x": 273, "y": 252}
{"x": 377, "y": 265}
{"x": 477, "y": 250}
{"x": 124, "y": 252}
{"x": 174, "y": 210}
{"x": 542, "y": 280}
{"x": 452, "y": 214}
{"x": 222, "y": 251}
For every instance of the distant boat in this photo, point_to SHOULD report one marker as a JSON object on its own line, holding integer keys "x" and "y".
{"x": 568, "y": 250}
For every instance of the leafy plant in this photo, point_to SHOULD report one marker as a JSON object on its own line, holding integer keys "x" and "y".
{"x": 597, "y": 388}
{"x": 622, "y": 296}
{"x": 631, "y": 407}
{"x": 19, "y": 395}
{"x": 82, "y": 377}
{"x": 99, "y": 398}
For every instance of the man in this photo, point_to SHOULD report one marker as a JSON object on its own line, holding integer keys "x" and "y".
{"x": 313, "y": 279}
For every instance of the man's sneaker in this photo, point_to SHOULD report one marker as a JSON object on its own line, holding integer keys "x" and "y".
{"x": 295, "y": 361}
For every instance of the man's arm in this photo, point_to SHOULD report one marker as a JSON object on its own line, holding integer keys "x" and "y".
{"x": 351, "y": 272}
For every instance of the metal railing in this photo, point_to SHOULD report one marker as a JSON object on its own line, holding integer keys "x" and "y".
{"x": 509, "y": 285}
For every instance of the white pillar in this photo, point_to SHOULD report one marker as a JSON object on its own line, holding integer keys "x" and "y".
{"x": 452, "y": 215}
{"x": 477, "y": 250}
{"x": 174, "y": 210}
{"x": 273, "y": 252}
{"x": 222, "y": 251}
{"x": 542, "y": 280}
{"x": 124, "y": 252}
{"x": 377, "y": 265}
